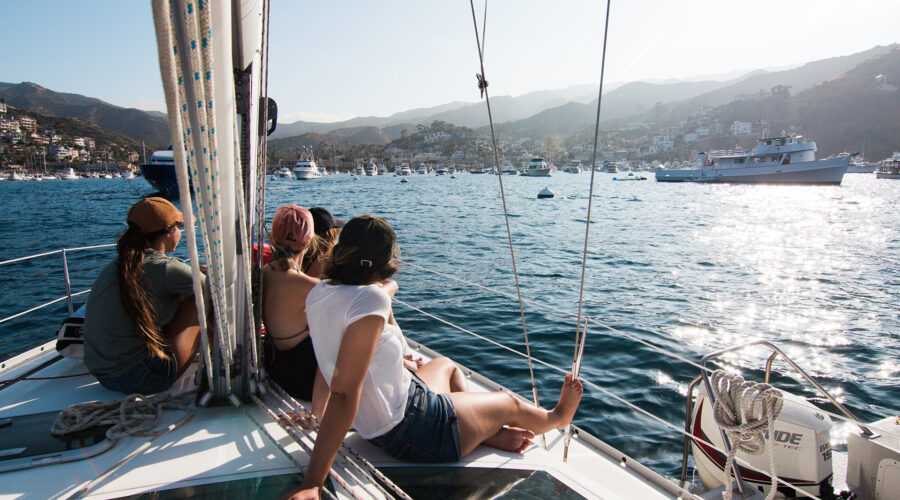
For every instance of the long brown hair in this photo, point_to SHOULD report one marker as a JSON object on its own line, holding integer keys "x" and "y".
{"x": 134, "y": 290}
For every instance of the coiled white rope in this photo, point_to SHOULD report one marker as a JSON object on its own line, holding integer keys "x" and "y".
{"x": 136, "y": 414}
{"x": 746, "y": 411}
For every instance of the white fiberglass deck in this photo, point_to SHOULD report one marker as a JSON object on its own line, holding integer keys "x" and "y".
{"x": 225, "y": 443}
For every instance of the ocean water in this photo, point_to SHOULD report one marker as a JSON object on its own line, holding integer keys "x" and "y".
{"x": 687, "y": 268}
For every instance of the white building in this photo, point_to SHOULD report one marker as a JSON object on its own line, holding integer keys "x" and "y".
{"x": 741, "y": 128}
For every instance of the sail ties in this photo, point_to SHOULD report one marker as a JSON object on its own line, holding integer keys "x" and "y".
{"x": 746, "y": 411}
{"x": 482, "y": 84}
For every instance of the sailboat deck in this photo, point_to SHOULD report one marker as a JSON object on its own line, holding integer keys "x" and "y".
{"x": 224, "y": 443}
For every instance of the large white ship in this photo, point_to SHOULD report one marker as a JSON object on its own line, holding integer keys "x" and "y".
{"x": 776, "y": 160}
{"x": 306, "y": 169}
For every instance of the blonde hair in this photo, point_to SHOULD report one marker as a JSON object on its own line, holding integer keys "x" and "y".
{"x": 284, "y": 254}
{"x": 323, "y": 245}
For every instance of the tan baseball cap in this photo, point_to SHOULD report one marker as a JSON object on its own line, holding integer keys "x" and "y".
{"x": 154, "y": 214}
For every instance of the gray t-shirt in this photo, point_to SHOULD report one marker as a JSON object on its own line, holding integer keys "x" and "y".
{"x": 111, "y": 342}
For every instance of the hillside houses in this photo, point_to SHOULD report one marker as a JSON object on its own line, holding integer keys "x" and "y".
{"x": 22, "y": 137}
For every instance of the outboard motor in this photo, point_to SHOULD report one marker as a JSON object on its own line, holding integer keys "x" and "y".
{"x": 802, "y": 449}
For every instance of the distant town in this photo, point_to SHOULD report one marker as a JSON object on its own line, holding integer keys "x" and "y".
{"x": 27, "y": 146}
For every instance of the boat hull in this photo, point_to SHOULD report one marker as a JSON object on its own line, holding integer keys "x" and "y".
{"x": 829, "y": 171}
{"x": 162, "y": 177}
{"x": 537, "y": 172}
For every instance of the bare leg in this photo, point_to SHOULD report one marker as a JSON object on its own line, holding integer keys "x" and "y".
{"x": 320, "y": 395}
{"x": 183, "y": 333}
{"x": 443, "y": 376}
{"x": 482, "y": 415}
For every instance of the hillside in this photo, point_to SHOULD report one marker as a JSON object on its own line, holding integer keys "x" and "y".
{"x": 118, "y": 145}
{"x": 354, "y": 136}
{"x": 799, "y": 79}
{"x": 131, "y": 122}
{"x": 505, "y": 108}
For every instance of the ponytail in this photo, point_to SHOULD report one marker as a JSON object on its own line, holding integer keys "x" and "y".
{"x": 133, "y": 289}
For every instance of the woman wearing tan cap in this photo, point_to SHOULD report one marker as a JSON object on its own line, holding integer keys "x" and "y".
{"x": 141, "y": 329}
{"x": 289, "y": 355}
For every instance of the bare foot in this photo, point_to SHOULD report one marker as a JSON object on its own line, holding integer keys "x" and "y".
{"x": 569, "y": 397}
{"x": 510, "y": 439}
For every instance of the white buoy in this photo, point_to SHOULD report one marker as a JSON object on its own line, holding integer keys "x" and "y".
{"x": 404, "y": 180}
{"x": 545, "y": 193}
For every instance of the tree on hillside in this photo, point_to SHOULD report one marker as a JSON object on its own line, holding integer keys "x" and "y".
{"x": 551, "y": 147}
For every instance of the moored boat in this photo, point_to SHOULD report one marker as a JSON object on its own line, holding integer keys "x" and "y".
{"x": 306, "y": 169}
{"x": 889, "y": 168}
{"x": 573, "y": 167}
{"x": 777, "y": 160}
{"x": 508, "y": 169}
{"x": 69, "y": 174}
{"x": 537, "y": 167}
{"x": 160, "y": 172}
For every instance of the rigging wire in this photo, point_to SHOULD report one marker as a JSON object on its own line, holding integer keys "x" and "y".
{"x": 483, "y": 85}
{"x": 545, "y": 306}
{"x": 579, "y": 342}
{"x": 261, "y": 208}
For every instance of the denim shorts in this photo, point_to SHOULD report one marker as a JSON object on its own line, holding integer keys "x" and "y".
{"x": 428, "y": 432}
{"x": 152, "y": 375}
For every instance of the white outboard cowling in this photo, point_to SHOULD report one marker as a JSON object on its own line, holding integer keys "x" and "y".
{"x": 802, "y": 448}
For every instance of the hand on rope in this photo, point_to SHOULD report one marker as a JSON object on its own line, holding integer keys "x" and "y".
{"x": 482, "y": 84}
{"x": 746, "y": 411}
{"x": 136, "y": 414}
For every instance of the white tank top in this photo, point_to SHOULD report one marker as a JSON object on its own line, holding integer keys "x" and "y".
{"x": 330, "y": 309}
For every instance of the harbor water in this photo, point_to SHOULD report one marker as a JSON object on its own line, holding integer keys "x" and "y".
{"x": 686, "y": 268}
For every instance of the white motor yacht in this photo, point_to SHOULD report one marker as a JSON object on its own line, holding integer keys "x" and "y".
{"x": 537, "y": 167}
{"x": 573, "y": 167}
{"x": 69, "y": 174}
{"x": 404, "y": 169}
{"x": 889, "y": 168}
{"x": 776, "y": 160}
{"x": 285, "y": 173}
{"x": 508, "y": 169}
{"x": 306, "y": 169}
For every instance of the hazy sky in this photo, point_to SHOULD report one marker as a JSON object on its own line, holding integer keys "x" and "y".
{"x": 335, "y": 59}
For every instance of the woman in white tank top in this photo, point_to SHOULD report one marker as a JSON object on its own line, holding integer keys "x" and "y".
{"x": 360, "y": 352}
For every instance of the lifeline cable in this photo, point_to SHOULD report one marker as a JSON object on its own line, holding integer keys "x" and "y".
{"x": 618, "y": 398}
